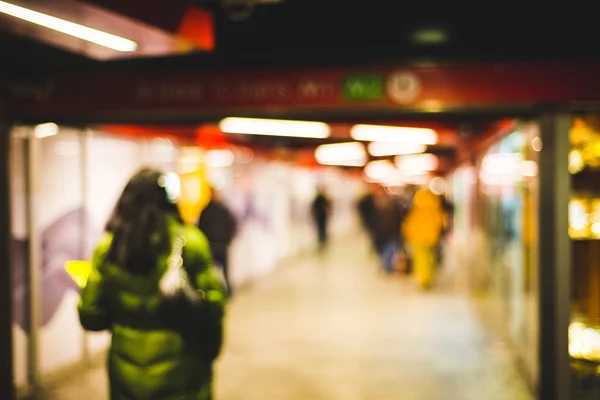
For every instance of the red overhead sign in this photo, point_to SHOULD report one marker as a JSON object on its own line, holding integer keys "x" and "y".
{"x": 428, "y": 88}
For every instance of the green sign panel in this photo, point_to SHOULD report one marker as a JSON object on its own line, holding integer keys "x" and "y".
{"x": 363, "y": 87}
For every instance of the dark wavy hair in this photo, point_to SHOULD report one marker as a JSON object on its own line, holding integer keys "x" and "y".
{"x": 139, "y": 222}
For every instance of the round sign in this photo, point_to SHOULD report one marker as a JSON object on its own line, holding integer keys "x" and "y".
{"x": 403, "y": 87}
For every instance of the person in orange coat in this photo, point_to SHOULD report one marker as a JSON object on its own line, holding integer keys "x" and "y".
{"x": 422, "y": 229}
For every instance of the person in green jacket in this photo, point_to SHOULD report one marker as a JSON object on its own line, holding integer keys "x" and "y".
{"x": 162, "y": 347}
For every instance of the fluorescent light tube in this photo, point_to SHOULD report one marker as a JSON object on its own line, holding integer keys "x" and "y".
{"x": 275, "y": 127}
{"x": 351, "y": 154}
{"x": 70, "y": 28}
{"x": 45, "y": 130}
{"x": 395, "y": 134}
{"x": 417, "y": 163}
{"x": 382, "y": 149}
{"x": 380, "y": 171}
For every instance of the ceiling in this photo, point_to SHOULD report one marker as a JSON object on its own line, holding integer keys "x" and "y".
{"x": 324, "y": 32}
{"x": 309, "y": 33}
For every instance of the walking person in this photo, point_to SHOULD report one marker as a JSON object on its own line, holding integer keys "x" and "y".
{"x": 219, "y": 225}
{"x": 321, "y": 211}
{"x": 368, "y": 215}
{"x": 422, "y": 230}
{"x": 165, "y": 337}
{"x": 387, "y": 228}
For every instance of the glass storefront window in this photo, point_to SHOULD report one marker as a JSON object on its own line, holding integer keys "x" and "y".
{"x": 504, "y": 184}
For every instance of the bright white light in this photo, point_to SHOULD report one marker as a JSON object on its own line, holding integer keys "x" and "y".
{"x": 395, "y": 134}
{"x": 576, "y": 162}
{"x": 501, "y": 164}
{"x": 172, "y": 184}
{"x": 275, "y": 127}
{"x": 351, "y": 154}
{"x": 70, "y": 28}
{"x": 219, "y": 158}
{"x": 417, "y": 163}
{"x": 505, "y": 169}
{"x": 584, "y": 342}
{"x": 382, "y": 149}
{"x": 596, "y": 228}
{"x": 529, "y": 168}
{"x": 380, "y": 171}
{"x": 437, "y": 185}
{"x": 45, "y": 130}
{"x": 190, "y": 159}
{"x": 578, "y": 216}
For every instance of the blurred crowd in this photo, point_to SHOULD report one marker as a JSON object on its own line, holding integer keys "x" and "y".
{"x": 406, "y": 229}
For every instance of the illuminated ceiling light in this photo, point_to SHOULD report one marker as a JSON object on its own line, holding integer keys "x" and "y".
{"x": 351, "y": 154}
{"x": 219, "y": 158}
{"x": 275, "y": 127}
{"x": 45, "y": 130}
{"x": 415, "y": 163}
{"x": 381, "y": 149}
{"x": 393, "y": 134}
{"x": 380, "y": 171}
{"x": 70, "y": 28}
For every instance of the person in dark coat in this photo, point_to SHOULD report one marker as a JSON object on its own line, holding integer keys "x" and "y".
{"x": 321, "y": 209}
{"x": 367, "y": 212}
{"x": 219, "y": 225}
{"x": 387, "y": 228}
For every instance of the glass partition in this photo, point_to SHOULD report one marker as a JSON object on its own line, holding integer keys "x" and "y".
{"x": 496, "y": 219}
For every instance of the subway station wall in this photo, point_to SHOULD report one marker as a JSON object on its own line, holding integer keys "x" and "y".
{"x": 76, "y": 177}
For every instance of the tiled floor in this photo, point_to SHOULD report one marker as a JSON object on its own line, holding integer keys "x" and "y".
{"x": 331, "y": 327}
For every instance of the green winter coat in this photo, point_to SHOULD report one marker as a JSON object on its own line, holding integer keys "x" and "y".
{"x": 153, "y": 354}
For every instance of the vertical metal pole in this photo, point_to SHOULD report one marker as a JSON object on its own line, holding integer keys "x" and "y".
{"x": 6, "y": 342}
{"x": 554, "y": 258}
{"x": 33, "y": 303}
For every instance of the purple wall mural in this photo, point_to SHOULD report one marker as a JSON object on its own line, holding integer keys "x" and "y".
{"x": 61, "y": 241}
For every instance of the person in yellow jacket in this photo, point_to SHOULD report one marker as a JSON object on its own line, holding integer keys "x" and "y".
{"x": 422, "y": 229}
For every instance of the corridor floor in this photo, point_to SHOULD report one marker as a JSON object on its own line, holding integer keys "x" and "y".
{"x": 330, "y": 327}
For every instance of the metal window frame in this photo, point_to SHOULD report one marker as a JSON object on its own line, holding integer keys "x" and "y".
{"x": 554, "y": 257}
{"x": 7, "y": 382}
